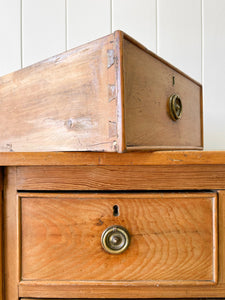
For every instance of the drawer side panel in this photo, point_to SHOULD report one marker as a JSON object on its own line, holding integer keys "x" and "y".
{"x": 65, "y": 103}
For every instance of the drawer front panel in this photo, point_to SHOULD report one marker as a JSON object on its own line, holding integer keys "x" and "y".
{"x": 172, "y": 237}
{"x": 149, "y": 83}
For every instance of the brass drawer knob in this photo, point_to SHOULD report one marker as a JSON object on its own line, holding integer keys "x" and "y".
{"x": 175, "y": 107}
{"x": 115, "y": 239}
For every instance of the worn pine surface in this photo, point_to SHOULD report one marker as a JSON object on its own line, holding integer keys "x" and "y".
{"x": 181, "y": 177}
{"x": 222, "y": 238}
{"x": 148, "y": 86}
{"x": 108, "y": 95}
{"x": 172, "y": 238}
{"x": 62, "y": 290}
{"x": 92, "y": 159}
{"x": 179, "y": 170}
{"x": 1, "y": 235}
{"x": 67, "y": 102}
{"x": 11, "y": 238}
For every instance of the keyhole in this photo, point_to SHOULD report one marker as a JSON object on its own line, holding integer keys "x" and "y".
{"x": 173, "y": 80}
{"x": 116, "y": 210}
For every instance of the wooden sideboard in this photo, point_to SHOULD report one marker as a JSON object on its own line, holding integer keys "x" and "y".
{"x": 55, "y": 207}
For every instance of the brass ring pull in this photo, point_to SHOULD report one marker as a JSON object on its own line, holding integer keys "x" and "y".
{"x": 175, "y": 107}
{"x": 115, "y": 239}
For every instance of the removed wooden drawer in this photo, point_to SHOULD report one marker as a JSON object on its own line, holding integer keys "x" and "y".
{"x": 108, "y": 95}
{"x": 172, "y": 238}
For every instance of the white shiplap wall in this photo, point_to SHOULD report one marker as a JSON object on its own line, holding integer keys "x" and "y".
{"x": 137, "y": 18}
{"x": 179, "y": 34}
{"x": 10, "y": 36}
{"x": 188, "y": 33}
{"x": 214, "y": 73}
{"x": 43, "y": 29}
{"x": 87, "y": 20}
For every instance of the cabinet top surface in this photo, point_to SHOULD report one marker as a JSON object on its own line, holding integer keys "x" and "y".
{"x": 101, "y": 159}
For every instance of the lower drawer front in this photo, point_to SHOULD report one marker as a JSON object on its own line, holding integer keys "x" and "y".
{"x": 173, "y": 237}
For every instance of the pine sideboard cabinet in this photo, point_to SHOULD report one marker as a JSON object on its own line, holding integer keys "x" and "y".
{"x": 109, "y": 225}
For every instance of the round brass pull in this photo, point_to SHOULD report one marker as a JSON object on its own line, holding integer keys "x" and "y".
{"x": 115, "y": 239}
{"x": 175, "y": 107}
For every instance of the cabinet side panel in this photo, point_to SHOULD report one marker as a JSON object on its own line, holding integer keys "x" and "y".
{"x": 222, "y": 238}
{"x": 1, "y": 237}
{"x": 11, "y": 239}
{"x": 65, "y": 103}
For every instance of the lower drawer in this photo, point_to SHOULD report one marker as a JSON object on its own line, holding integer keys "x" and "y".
{"x": 172, "y": 238}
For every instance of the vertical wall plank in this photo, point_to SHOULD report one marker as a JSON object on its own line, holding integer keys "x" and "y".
{"x": 137, "y": 18}
{"x": 214, "y": 74}
{"x": 43, "y": 29}
{"x": 10, "y": 54}
{"x": 87, "y": 20}
{"x": 179, "y": 34}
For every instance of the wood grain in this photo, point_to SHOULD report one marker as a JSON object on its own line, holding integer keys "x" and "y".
{"x": 222, "y": 237}
{"x": 101, "y": 159}
{"x": 186, "y": 177}
{"x": 61, "y": 290}
{"x": 172, "y": 238}
{"x": 148, "y": 87}
{"x": 61, "y": 103}
{"x": 86, "y": 299}
{"x": 1, "y": 235}
{"x": 91, "y": 97}
{"x": 11, "y": 237}
{"x": 199, "y": 169}
{"x": 1, "y": 179}
{"x": 120, "y": 91}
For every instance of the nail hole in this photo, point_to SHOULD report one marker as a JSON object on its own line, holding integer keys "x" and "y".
{"x": 116, "y": 210}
